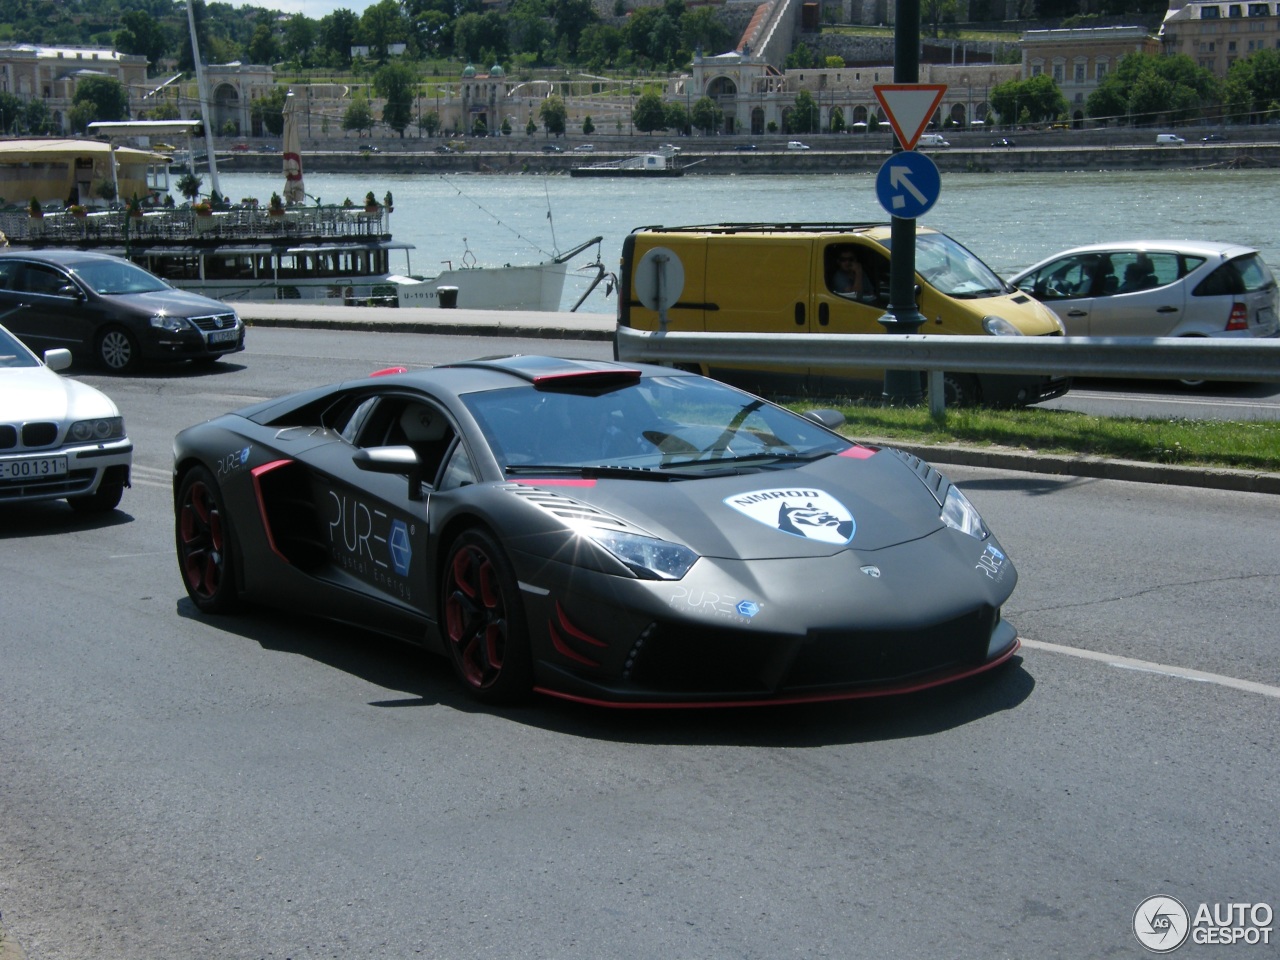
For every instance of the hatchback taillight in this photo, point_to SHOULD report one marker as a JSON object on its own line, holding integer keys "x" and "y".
{"x": 1239, "y": 319}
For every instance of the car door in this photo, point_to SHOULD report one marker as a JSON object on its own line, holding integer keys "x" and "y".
{"x": 841, "y": 310}
{"x": 49, "y": 307}
{"x": 1148, "y": 300}
{"x": 1069, "y": 286}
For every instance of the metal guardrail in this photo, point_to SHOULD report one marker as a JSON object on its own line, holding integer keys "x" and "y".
{"x": 1148, "y": 358}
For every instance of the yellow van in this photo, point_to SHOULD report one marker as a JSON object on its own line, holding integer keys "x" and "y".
{"x": 829, "y": 278}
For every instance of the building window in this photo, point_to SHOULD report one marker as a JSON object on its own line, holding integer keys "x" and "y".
{"x": 1231, "y": 46}
{"x": 1079, "y": 73}
{"x": 1058, "y": 72}
{"x": 1208, "y": 13}
{"x": 1259, "y": 10}
{"x": 1234, "y": 10}
{"x": 1099, "y": 71}
{"x": 1036, "y": 69}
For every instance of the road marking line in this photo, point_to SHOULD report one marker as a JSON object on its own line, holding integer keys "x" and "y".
{"x": 1146, "y": 666}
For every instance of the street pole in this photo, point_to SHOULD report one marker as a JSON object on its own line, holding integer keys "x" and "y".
{"x": 903, "y": 316}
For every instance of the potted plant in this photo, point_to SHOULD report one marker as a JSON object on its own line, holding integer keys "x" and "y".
{"x": 135, "y": 207}
{"x": 276, "y": 207}
{"x": 78, "y": 210}
{"x": 189, "y": 185}
{"x": 105, "y": 189}
{"x": 370, "y": 203}
{"x": 34, "y": 209}
{"x": 347, "y": 204}
{"x": 386, "y": 201}
{"x": 203, "y": 208}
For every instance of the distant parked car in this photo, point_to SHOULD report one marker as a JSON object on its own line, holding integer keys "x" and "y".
{"x": 669, "y": 148}
{"x": 268, "y": 148}
{"x": 1163, "y": 139}
{"x": 552, "y": 148}
{"x": 932, "y": 140}
{"x": 240, "y": 147}
{"x": 745, "y": 146}
{"x": 59, "y": 438}
{"x": 1003, "y": 142}
{"x": 1157, "y": 289}
{"x": 796, "y": 145}
{"x": 367, "y": 148}
{"x": 107, "y": 309}
{"x": 1214, "y": 138}
{"x": 585, "y": 148}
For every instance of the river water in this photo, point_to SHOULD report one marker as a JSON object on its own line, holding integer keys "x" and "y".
{"x": 1010, "y": 220}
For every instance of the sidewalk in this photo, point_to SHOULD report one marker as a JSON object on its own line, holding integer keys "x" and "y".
{"x": 600, "y": 326}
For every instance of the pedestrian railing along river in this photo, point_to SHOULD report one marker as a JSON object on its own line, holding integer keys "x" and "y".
{"x": 1154, "y": 358}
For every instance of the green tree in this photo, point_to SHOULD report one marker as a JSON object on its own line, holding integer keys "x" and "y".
{"x": 98, "y": 99}
{"x": 530, "y": 128}
{"x": 268, "y": 112}
{"x": 649, "y": 113}
{"x": 299, "y": 39}
{"x": 358, "y": 116}
{"x": 263, "y": 47}
{"x": 588, "y": 127}
{"x": 677, "y": 118}
{"x": 571, "y": 17}
{"x": 396, "y": 83}
{"x": 429, "y": 123}
{"x": 706, "y": 116}
{"x": 701, "y": 28}
{"x": 804, "y": 114}
{"x": 11, "y": 110}
{"x": 837, "y": 120}
{"x": 337, "y": 35}
{"x": 1150, "y": 88}
{"x": 381, "y": 25}
{"x": 801, "y": 58}
{"x": 553, "y": 113}
{"x": 1252, "y": 84}
{"x": 143, "y": 36}
{"x": 600, "y": 46}
{"x": 1038, "y": 98}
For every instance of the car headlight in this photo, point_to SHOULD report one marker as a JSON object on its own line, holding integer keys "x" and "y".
{"x": 104, "y": 428}
{"x": 648, "y": 557}
{"x": 169, "y": 324}
{"x": 1000, "y": 327}
{"x": 959, "y": 514}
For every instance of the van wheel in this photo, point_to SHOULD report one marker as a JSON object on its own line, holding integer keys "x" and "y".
{"x": 961, "y": 390}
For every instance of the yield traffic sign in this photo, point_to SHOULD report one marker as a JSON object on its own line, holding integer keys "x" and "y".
{"x": 909, "y": 107}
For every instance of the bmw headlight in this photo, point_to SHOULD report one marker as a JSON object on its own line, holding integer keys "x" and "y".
{"x": 169, "y": 324}
{"x": 1000, "y": 327}
{"x": 959, "y": 514}
{"x": 648, "y": 557}
{"x": 104, "y": 428}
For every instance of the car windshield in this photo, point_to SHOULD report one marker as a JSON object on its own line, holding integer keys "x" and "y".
{"x": 114, "y": 277}
{"x": 655, "y": 426}
{"x": 953, "y": 270}
{"x": 14, "y": 354}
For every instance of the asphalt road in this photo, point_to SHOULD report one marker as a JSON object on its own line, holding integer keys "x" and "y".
{"x": 180, "y": 786}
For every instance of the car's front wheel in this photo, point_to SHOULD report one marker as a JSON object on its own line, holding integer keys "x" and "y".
{"x": 202, "y": 531}
{"x": 484, "y": 626}
{"x": 117, "y": 350}
{"x": 103, "y": 500}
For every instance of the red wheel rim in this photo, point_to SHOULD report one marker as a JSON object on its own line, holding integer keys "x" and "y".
{"x": 201, "y": 538}
{"x": 475, "y": 617}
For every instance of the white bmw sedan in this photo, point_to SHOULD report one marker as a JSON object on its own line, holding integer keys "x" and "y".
{"x": 59, "y": 438}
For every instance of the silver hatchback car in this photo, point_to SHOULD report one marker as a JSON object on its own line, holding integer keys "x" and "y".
{"x": 1149, "y": 288}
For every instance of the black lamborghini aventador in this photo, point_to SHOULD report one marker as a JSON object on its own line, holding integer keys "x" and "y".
{"x": 602, "y": 532}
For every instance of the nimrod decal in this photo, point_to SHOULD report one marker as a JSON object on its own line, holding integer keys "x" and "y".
{"x": 813, "y": 514}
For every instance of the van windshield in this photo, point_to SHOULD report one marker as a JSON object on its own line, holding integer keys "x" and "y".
{"x": 952, "y": 270}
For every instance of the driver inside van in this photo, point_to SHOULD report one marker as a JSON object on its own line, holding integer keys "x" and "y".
{"x": 849, "y": 279}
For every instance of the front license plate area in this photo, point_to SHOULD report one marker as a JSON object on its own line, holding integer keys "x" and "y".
{"x": 33, "y": 468}
{"x": 224, "y": 336}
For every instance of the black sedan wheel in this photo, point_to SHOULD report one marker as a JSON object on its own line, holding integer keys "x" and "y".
{"x": 117, "y": 350}
{"x": 203, "y": 533}
{"x": 483, "y": 620}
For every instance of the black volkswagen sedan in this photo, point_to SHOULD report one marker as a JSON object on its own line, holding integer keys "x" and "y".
{"x": 107, "y": 309}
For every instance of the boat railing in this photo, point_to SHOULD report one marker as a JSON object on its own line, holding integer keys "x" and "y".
{"x": 184, "y": 224}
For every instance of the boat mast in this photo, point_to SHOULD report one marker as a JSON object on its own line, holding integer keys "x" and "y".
{"x": 203, "y": 92}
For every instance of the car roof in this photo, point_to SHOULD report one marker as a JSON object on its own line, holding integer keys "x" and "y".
{"x": 1209, "y": 249}
{"x": 64, "y": 258}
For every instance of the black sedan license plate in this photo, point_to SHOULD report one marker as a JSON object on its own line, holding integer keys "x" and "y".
{"x": 223, "y": 336}
{"x": 33, "y": 468}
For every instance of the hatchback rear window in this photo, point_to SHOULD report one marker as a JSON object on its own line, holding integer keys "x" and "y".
{"x": 1242, "y": 275}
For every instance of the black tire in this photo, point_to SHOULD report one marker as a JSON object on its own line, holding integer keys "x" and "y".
{"x": 117, "y": 350}
{"x": 482, "y": 618}
{"x": 960, "y": 390}
{"x": 203, "y": 538}
{"x": 104, "y": 500}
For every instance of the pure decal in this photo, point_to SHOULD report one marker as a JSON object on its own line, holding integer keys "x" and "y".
{"x": 812, "y": 514}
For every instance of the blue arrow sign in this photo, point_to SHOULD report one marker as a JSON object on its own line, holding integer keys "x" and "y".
{"x": 908, "y": 185}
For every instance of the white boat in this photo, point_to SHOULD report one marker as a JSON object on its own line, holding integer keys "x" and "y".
{"x": 332, "y": 253}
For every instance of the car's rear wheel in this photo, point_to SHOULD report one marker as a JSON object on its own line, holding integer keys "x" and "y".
{"x": 484, "y": 626}
{"x": 960, "y": 390}
{"x": 103, "y": 500}
{"x": 118, "y": 350}
{"x": 203, "y": 534}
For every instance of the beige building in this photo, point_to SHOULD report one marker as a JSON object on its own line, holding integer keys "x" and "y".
{"x": 1078, "y": 59}
{"x": 1216, "y": 35}
{"x": 51, "y": 73}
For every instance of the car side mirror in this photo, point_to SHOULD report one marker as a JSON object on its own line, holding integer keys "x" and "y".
{"x": 70, "y": 290}
{"x": 831, "y": 419}
{"x": 395, "y": 460}
{"x": 57, "y": 359}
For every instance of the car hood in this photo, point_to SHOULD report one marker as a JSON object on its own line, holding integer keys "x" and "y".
{"x": 37, "y": 393}
{"x": 837, "y": 503}
{"x": 174, "y": 303}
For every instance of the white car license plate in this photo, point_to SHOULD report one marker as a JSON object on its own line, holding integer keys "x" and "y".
{"x": 222, "y": 336}
{"x": 33, "y": 469}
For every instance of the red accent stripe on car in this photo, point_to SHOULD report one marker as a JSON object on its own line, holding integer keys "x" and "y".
{"x": 389, "y": 371}
{"x": 860, "y": 453}
{"x": 257, "y": 472}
